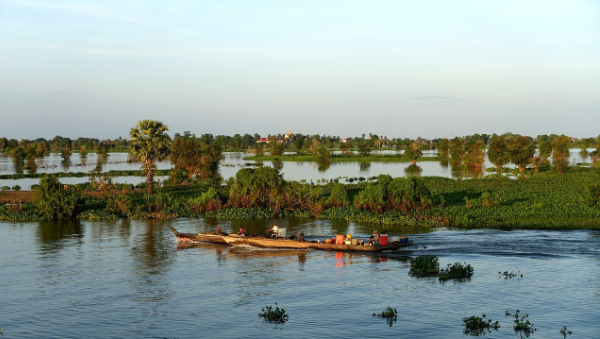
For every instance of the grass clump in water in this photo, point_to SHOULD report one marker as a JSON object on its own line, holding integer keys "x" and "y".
{"x": 479, "y": 325}
{"x": 521, "y": 324}
{"x": 456, "y": 271}
{"x": 424, "y": 266}
{"x": 510, "y": 275}
{"x": 276, "y": 315}
{"x": 390, "y": 315}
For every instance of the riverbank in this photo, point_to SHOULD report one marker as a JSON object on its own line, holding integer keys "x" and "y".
{"x": 536, "y": 201}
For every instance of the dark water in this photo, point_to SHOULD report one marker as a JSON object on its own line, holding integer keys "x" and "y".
{"x": 131, "y": 279}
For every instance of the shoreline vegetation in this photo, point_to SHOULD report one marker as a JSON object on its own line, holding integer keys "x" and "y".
{"x": 545, "y": 191}
{"x": 545, "y": 200}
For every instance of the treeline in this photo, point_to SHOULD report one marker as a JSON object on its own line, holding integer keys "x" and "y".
{"x": 301, "y": 142}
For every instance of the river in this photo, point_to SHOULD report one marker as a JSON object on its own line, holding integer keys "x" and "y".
{"x": 131, "y": 279}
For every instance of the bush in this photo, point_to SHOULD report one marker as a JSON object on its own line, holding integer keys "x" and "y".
{"x": 6, "y": 188}
{"x": 276, "y": 315}
{"x": 479, "y": 325}
{"x": 16, "y": 188}
{"x": 119, "y": 204}
{"x": 424, "y": 266}
{"x": 456, "y": 271}
{"x": 55, "y": 201}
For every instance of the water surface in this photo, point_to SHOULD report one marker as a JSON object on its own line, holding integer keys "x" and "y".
{"x": 132, "y": 279}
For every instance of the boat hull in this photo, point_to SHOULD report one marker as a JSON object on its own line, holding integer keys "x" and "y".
{"x": 279, "y": 243}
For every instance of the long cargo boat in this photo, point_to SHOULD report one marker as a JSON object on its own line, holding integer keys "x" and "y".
{"x": 283, "y": 243}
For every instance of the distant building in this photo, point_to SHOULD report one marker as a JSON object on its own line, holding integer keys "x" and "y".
{"x": 289, "y": 134}
{"x": 266, "y": 141}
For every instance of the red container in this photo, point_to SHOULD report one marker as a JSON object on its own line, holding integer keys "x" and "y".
{"x": 383, "y": 239}
{"x": 339, "y": 239}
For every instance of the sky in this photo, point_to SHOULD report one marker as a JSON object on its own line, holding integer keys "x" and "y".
{"x": 400, "y": 69}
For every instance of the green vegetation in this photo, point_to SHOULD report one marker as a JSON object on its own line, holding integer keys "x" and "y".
{"x": 456, "y": 271}
{"x": 521, "y": 324}
{"x": 510, "y": 275}
{"x": 277, "y": 315}
{"x": 429, "y": 265}
{"x": 56, "y": 201}
{"x": 565, "y": 332}
{"x": 479, "y": 325}
{"x": 149, "y": 143}
{"x": 389, "y": 314}
{"x": 545, "y": 200}
{"x": 424, "y": 266}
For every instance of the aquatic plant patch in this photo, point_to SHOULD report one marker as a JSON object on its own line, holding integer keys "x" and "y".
{"x": 521, "y": 324}
{"x": 479, "y": 325}
{"x": 456, "y": 271}
{"x": 389, "y": 314}
{"x": 274, "y": 315}
{"x": 424, "y": 266}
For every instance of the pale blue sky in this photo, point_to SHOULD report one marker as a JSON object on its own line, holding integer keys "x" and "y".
{"x": 393, "y": 68}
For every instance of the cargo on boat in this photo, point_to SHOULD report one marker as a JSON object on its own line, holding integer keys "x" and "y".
{"x": 284, "y": 243}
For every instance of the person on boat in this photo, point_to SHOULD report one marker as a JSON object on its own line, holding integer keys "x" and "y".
{"x": 273, "y": 231}
{"x": 301, "y": 236}
{"x": 218, "y": 231}
{"x": 375, "y": 238}
{"x": 241, "y": 232}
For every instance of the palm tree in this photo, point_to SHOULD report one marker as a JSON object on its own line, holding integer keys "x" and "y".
{"x": 149, "y": 143}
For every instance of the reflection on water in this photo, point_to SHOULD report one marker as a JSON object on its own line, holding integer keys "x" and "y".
{"x": 291, "y": 170}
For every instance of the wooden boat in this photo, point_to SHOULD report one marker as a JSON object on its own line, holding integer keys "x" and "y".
{"x": 282, "y": 243}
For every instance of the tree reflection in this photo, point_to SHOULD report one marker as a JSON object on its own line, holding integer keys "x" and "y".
{"x": 364, "y": 166}
{"x": 278, "y": 165}
{"x": 323, "y": 166}
{"x": 51, "y": 233}
{"x": 18, "y": 165}
{"x": 32, "y": 166}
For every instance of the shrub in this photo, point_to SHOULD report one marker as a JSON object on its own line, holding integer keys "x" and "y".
{"x": 56, "y": 201}
{"x": 479, "y": 325}
{"x": 456, "y": 271}
{"x": 16, "y": 188}
{"x": 276, "y": 315}
{"x": 424, "y": 266}
{"x": 6, "y": 188}
{"x": 119, "y": 204}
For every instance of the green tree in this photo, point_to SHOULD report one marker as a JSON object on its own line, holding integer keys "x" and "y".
{"x": 498, "y": 153}
{"x": 149, "y": 143}
{"x": 474, "y": 155}
{"x": 443, "y": 147}
{"x": 413, "y": 152}
{"x": 57, "y": 201}
{"x": 195, "y": 157}
{"x": 560, "y": 153}
{"x": 339, "y": 196}
{"x": 457, "y": 150}
{"x": 364, "y": 149}
{"x": 275, "y": 147}
{"x": 346, "y": 147}
{"x": 521, "y": 152}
